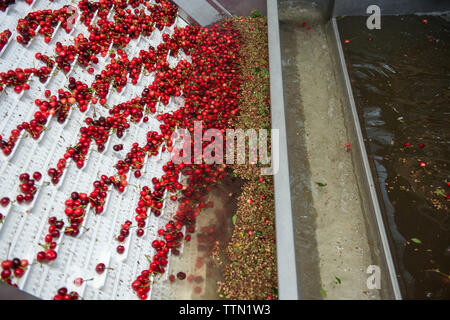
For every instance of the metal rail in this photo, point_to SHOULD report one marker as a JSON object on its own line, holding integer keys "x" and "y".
{"x": 287, "y": 275}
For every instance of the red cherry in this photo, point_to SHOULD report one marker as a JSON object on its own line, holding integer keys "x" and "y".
{"x": 18, "y": 272}
{"x": 181, "y": 275}
{"x": 136, "y": 285}
{"x": 40, "y": 256}
{"x": 48, "y": 238}
{"x": 4, "y": 201}
{"x": 7, "y": 264}
{"x": 78, "y": 281}
{"x": 100, "y": 268}
{"x": 37, "y": 176}
{"x": 18, "y": 89}
{"x": 50, "y": 255}
{"x": 73, "y": 295}
{"x": 120, "y": 249}
{"x": 6, "y": 274}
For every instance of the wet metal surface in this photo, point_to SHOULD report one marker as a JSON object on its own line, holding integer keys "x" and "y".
{"x": 244, "y": 8}
{"x": 214, "y": 228}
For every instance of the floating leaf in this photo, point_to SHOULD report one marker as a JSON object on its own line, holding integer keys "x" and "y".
{"x": 338, "y": 280}
{"x": 320, "y": 184}
{"x": 323, "y": 292}
{"x": 415, "y": 240}
{"x": 255, "y": 14}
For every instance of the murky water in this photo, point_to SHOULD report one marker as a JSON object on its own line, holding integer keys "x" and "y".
{"x": 331, "y": 237}
{"x": 401, "y": 83}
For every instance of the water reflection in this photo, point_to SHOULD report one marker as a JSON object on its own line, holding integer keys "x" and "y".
{"x": 193, "y": 275}
{"x": 401, "y": 85}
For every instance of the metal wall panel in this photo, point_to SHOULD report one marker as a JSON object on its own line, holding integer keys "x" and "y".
{"x": 389, "y": 7}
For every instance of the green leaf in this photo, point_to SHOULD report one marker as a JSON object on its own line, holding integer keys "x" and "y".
{"x": 255, "y": 13}
{"x": 323, "y": 293}
{"x": 440, "y": 192}
{"x": 320, "y": 184}
{"x": 338, "y": 280}
{"x": 232, "y": 175}
{"x": 233, "y": 218}
{"x": 415, "y": 240}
